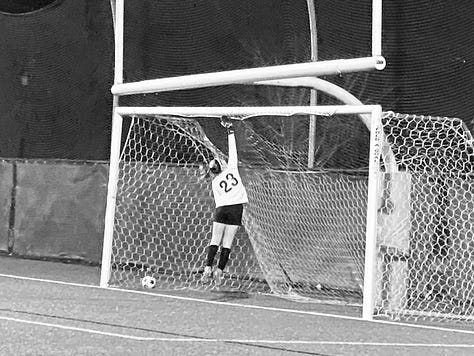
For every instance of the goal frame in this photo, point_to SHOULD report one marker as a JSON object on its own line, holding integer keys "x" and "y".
{"x": 371, "y": 115}
{"x": 374, "y": 61}
{"x": 376, "y": 142}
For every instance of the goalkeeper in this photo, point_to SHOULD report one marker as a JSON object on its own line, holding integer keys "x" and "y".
{"x": 230, "y": 196}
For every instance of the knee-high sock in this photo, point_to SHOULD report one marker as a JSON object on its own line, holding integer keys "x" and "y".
{"x": 224, "y": 258}
{"x": 211, "y": 254}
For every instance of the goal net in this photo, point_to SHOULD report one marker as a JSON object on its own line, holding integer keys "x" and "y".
{"x": 425, "y": 226}
{"x": 305, "y": 230}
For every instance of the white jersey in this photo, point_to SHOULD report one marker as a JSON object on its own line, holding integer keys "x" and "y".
{"x": 227, "y": 186}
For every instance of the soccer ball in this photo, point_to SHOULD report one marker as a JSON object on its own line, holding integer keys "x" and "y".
{"x": 148, "y": 282}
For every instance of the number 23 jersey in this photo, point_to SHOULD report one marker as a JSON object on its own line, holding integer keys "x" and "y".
{"x": 228, "y": 189}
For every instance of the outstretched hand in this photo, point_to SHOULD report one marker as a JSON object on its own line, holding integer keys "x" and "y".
{"x": 203, "y": 171}
{"x": 226, "y": 122}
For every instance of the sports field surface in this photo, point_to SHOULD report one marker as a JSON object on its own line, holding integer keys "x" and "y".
{"x": 50, "y": 308}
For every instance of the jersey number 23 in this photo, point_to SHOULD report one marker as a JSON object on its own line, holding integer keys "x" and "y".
{"x": 228, "y": 183}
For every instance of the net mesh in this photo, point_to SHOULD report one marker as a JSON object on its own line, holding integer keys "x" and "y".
{"x": 304, "y": 230}
{"x": 165, "y": 209}
{"x": 425, "y": 220}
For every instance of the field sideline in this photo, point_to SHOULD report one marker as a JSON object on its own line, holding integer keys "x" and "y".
{"x": 57, "y": 309}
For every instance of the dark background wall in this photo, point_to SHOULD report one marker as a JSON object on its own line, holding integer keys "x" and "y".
{"x": 55, "y": 75}
{"x": 56, "y": 64}
{"x": 56, "y": 70}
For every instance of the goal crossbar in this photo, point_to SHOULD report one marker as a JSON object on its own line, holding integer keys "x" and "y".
{"x": 250, "y": 75}
{"x": 247, "y": 111}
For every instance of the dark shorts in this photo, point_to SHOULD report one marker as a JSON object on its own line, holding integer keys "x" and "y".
{"x": 229, "y": 214}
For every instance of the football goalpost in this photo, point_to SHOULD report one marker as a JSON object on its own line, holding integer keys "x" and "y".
{"x": 391, "y": 232}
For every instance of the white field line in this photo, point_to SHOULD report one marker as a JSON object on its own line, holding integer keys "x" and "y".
{"x": 246, "y": 341}
{"x": 71, "y": 328}
{"x": 245, "y": 306}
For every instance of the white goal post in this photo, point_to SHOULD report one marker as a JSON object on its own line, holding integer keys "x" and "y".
{"x": 400, "y": 220}
{"x": 250, "y": 75}
{"x": 404, "y": 230}
{"x": 247, "y": 113}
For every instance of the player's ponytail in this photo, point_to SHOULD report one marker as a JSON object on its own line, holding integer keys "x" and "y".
{"x": 215, "y": 166}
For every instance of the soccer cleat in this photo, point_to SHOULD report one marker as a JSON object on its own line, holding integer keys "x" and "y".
{"x": 206, "y": 275}
{"x": 218, "y": 277}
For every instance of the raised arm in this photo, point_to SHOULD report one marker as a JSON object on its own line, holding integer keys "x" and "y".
{"x": 233, "y": 161}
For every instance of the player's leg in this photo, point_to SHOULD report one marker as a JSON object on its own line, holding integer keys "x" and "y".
{"x": 228, "y": 238}
{"x": 217, "y": 235}
{"x": 218, "y": 230}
